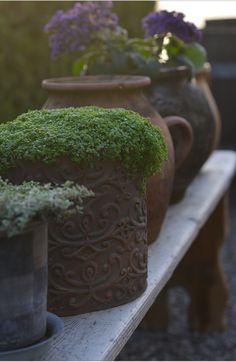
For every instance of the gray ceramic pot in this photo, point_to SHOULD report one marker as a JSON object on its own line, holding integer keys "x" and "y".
{"x": 23, "y": 286}
{"x": 36, "y": 351}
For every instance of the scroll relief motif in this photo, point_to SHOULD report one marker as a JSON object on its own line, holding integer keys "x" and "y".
{"x": 97, "y": 259}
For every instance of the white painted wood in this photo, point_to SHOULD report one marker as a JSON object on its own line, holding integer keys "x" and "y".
{"x": 101, "y": 335}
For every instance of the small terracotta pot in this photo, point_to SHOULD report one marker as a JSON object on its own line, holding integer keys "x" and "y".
{"x": 174, "y": 93}
{"x": 97, "y": 260}
{"x": 23, "y": 286}
{"x": 127, "y": 92}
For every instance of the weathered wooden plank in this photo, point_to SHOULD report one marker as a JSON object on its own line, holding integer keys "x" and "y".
{"x": 101, "y": 335}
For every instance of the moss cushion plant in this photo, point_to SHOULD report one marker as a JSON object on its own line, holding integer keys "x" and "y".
{"x": 23, "y": 256}
{"x": 85, "y": 134}
{"x": 98, "y": 259}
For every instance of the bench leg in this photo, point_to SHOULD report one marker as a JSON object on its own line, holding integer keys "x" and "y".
{"x": 157, "y": 316}
{"x": 208, "y": 301}
{"x": 207, "y": 285}
{"x": 201, "y": 273}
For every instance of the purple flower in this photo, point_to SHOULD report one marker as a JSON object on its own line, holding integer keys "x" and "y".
{"x": 72, "y": 30}
{"x": 170, "y": 22}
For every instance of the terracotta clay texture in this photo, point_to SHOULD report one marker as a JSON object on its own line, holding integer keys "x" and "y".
{"x": 98, "y": 259}
{"x": 23, "y": 285}
{"x": 125, "y": 92}
{"x": 174, "y": 93}
{"x": 203, "y": 79}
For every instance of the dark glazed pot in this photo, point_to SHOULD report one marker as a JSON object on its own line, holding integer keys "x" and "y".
{"x": 174, "y": 93}
{"x": 127, "y": 92}
{"x": 23, "y": 286}
{"x": 98, "y": 259}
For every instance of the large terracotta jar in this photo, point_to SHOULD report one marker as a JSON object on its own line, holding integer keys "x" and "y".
{"x": 127, "y": 92}
{"x": 173, "y": 92}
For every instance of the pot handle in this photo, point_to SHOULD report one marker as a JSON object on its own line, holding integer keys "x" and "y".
{"x": 182, "y": 137}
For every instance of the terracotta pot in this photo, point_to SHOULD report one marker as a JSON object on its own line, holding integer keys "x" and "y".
{"x": 23, "y": 285}
{"x": 203, "y": 79}
{"x": 174, "y": 93}
{"x": 127, "y": 92}
{"x": 97, "y": 260}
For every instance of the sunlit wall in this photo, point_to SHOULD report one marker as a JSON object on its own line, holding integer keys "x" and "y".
{"x": 197, "y": 11}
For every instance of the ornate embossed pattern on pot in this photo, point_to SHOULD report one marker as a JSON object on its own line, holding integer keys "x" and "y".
{"x": 125, "y": 92}
{"x": 112, "y": 91}
{"x": 98, "y": 259}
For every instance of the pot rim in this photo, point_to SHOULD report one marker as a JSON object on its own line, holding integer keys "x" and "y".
{"x": 96, "y": 82}
{"x": 182, "y": 71}
{"x": 34, "y": 223}
{"x": 173, "y": 72}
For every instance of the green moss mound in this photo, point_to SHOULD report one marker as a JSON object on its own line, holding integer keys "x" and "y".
{"x": 84, "y": 134}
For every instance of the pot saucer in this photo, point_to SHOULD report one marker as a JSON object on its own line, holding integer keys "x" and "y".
{"x": 36, "y": 350}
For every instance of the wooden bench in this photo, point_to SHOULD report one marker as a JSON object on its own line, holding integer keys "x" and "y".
{"x": 189, "y": 243}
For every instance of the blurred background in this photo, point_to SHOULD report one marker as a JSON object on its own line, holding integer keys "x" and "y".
{"x": 25, "y": 58}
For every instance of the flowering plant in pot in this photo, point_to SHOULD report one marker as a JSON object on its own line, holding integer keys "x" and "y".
{"x": 169, "y": 55}
{"x": 91, "y": 32}
{"x": 106, "y": 49}
{"x": 110, "y": 53}
{"x": 174, "y": 89}
{"x": 178, "y": 40}
{"x": 24, "y": 210}
{"x": 98, "y": 259}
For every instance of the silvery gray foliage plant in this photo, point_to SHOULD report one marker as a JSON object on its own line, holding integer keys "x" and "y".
{"x": 21, "y": 204}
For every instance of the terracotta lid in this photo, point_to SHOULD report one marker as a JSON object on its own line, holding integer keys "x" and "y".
{"x": 96, "y": 82}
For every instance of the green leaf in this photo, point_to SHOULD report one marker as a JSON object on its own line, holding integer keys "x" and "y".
{"x": 196, "y": 53}
{"x": 145, "y": 47}
{"x": 78, "y": 66}
{"x": 143, "y": 66}
{"x": 118, "y": 37}
{"x": 135, "y": 62}
{"x": 174, "y": 46}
